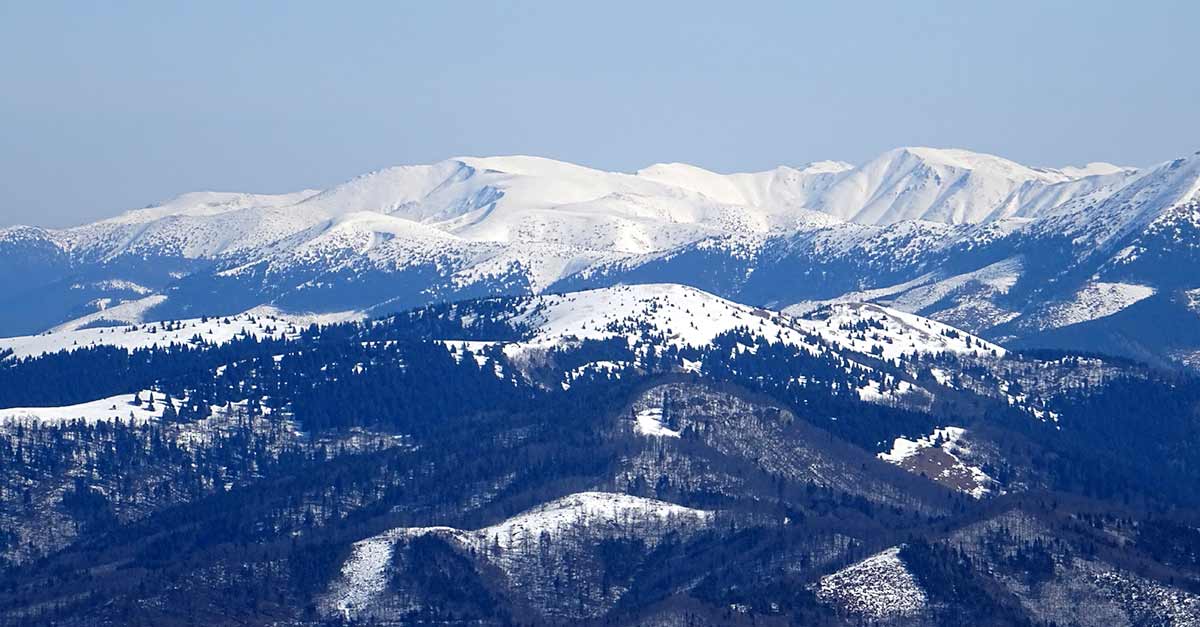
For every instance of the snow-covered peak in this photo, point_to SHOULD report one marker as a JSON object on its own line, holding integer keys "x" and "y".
{"x": 1179, "y": 181}
{"x": 527, "y": 165}
{"x": 1095, "y": 168}
{"x": 578, "y": 509}
{"x": 686, "y": 176}
{"x": 533, "y": 200}
{"x": 968, "y": 160}
{"x": 198, "y": 204}
{"x": 369, "y": 222}
{"x": 940, "y": 185}
{"x": 825, "y": 167}
{"x": 781, "y": 190}
{"x": 958, "y": 186}
{"x": 891, "y": 333}
{"x": 21, "y": 233}
{"x": 682, "y": 315}
{"x": 391, "y": 189}
{"x": 1150, "y": 194}
{"x": 685, "y": 316}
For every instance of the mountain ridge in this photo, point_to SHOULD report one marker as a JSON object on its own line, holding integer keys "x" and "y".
{"x": 477, "y": 226}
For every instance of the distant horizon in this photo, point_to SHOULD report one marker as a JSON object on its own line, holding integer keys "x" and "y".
{"x": 316, "y": 189}
{"x": 113, "y": 106}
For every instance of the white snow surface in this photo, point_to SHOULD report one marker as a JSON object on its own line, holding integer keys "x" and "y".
{"x": 119, "y": 407}
{"x": 1094, "y": 300}
{"x": 1094, "y": 168}
{"x": 931, "y": 288}
{"x": 1144, "y": 198}
{"x": 891, "y": 333}
{"x": 364, "y": 574}
{"x": 584, "y": 508}
{"x": 457, "y": 207}
{"x": 261, "y": 322}
{"x": 532, "y": 199}
{"x": 128, "y": 312}
{"x": 649, "y": 422}
{"x": 210, "y": 203}
{"x": 479, "y": 215}
{"x": 686, "y": 316}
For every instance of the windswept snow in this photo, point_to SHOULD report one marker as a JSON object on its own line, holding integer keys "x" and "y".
{"x": 1094, "y": 221}
{"x": 364, "y": 575}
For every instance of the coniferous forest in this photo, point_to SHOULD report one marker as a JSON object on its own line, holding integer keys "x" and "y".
{"x": 499, "y": 487}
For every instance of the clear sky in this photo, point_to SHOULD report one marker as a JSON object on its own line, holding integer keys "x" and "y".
{"x": 106, "y": 106}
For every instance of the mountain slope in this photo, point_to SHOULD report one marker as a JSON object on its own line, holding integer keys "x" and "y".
{"x": 1076, "y": 265}
{"x": 411, "y": 470}
{"x": 1004, "y": 250}
{"x": 680, "y": 316}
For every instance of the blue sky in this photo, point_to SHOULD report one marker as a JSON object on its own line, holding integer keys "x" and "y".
{"x": 110, "y": 106}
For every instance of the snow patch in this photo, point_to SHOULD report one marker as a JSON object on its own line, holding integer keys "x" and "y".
{"x": 878, "y": 587}
{"x": 940, "y": 457}
{"x": 649, "y": 422}
{"x": 1092, "y": 301}
{"x": 364, "y": 576}
{"x": 128, "y": 312}
{"x": 113, "y": 408}
{"x": 892, "y": 334}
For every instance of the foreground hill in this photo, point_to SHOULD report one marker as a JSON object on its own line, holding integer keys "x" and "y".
{"x": 628, "y": 455}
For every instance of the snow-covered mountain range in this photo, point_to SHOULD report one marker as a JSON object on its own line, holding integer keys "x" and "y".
{"x": 1075, "y": 257}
